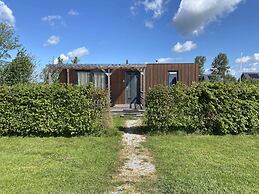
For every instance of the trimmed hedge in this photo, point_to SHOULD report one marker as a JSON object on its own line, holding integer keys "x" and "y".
{"x": 208, "y": 107}
{"x": 52, "y": 110}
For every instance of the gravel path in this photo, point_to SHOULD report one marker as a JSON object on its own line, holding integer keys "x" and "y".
{"x": 136, "y": 160}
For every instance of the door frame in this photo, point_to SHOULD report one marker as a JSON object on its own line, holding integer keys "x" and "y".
{"x": 125, "y": 84}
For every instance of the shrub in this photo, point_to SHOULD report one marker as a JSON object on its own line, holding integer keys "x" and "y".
{"x": 158, "y": 107}
{"x": 52, "y": 110}
{"x": 208, "y": 107}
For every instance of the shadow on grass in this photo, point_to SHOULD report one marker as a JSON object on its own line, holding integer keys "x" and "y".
{"x": 50, "y": 135}
{"x": 145, "y": 130}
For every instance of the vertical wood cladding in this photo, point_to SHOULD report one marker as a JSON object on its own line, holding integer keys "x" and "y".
{"x": 63, "y": 76}
{"x": 158, "y": 73}
{"x": 155, "y": 74}
{"x": 72, "y": 76}
{"x": 118, "y": 86}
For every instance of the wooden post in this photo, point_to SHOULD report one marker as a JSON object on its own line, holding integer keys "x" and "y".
{"x": 141, "y": 80}
{"x": 144, "y": 86}
{"x": 68, "y": 80}
{"x": 109, "y": 85}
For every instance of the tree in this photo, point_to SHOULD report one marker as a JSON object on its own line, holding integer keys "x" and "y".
{"x": 220, "y": 65}
{"x": 60, "y": 60}
{"x": 54, "y": 75}
{"x": 229, "y": 78}
{"x": 19, "y": 70}
{"x": 75, "y": 60}
{"x": 200, "y": 60}
{"x": 8, "y": 41}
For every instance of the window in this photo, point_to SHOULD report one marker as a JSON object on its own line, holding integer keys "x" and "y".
{"x": 172, "y": 77}
{"x": 99, "y": 80}
{"x": 96, "y": 77}
{"x": 83, "y": 77}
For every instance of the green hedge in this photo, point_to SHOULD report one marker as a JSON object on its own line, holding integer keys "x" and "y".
{"x": 52, "y": 110}
{"x": 208, "y": 107}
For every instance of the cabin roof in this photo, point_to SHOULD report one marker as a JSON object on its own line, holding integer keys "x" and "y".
{"x": 251, "y": 75}
{"x": 107, "y": 66}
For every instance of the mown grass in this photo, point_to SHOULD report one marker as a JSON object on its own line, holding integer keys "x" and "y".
{"x": 205, "y": 164}
{"x": 58, "y": 165}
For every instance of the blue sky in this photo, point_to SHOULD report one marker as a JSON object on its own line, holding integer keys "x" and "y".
{"x": 138, "y": 30}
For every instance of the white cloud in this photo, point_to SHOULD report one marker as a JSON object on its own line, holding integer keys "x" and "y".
{"x": 248, "y": 59}
{"x": 79, "y": 52}
{"x": 52, "y": 19}
{"x": 155, "y": 6}
{"x": 194, "y": 15}
{"x": 256, "y": 57}
{"x": 247, "y": 63}
{"x": 243, "y": 60}
{"x": 166, "y": 60}
{"x": 62, "y": 56}
{"x": 254, "y": 67}
{"x": 149, "y": 24}
{"x": 185, "y": 47}
{"x": 73, "y": 12}
{"x": 52, "y": 40}
{"x": 6, "y": 14}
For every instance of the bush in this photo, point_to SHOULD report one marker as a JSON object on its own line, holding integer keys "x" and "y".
{"x": 208, "y": 107}
{"x": 158, "y": 107}
{"x": 52, "y": 110}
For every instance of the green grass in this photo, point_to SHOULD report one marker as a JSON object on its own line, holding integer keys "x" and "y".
{"x": 206, "y": 164}
{"x": 58, "y": 165}
{"x": 118, "y": 122}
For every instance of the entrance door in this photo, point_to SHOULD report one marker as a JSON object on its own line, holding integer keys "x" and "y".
{"x": 132, "y": 90}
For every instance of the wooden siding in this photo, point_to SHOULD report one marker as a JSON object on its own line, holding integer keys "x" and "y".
{"x": 118, "y": 86}
{"x": 63, "y": 76}
{"x": 72, "y": 76}
{"x": 154, "y": 74}
{"x": 158, "y": 74}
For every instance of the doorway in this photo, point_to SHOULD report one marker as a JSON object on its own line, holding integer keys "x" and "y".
{"x": 132, "y": 86}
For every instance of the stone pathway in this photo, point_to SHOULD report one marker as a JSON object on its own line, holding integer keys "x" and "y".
{"x": 136, "y": 161}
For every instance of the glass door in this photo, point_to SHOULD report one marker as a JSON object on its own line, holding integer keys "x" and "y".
{"x": 132, "y": 90}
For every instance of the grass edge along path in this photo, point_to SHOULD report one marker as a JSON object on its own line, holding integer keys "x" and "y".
{"x": 58, "y": 165}
{"x": 205, "y": 164}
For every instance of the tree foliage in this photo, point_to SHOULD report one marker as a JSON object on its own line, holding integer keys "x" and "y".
{"x": 229, "y": 78}
{"x": 200, "y": 60}
{"x": 54, "y": 75}
{"x": 220, "y": 65}
{"x": 8, "y": 41}
{"x": 19, "y": 70}
{"x": 75, "y": 60}
{"x": 60, "y": 60}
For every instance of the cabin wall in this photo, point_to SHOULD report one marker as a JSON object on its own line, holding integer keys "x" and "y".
{"x": 72, "y": 76}
{"x": 63, "y": 76}
{"x": 154, "y": 74}
{"x": 158, "y": 74}
{"x": 117, "y": 83}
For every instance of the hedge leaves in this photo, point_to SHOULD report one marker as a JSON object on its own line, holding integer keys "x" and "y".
{"x": 208, "y": 107}
{"x": 52, "y": 110}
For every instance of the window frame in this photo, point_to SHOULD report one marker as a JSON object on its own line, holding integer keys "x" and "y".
{"x": 92, "y": 77}
{"x": 168, "y": 76}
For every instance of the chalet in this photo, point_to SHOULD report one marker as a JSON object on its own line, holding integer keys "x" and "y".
{"x": 126, "y": 82}
{"x": 250, "y": 76}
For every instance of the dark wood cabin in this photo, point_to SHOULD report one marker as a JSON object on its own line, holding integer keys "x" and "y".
{"x": 126, "y": 82}
{"x": 250, "y": 76}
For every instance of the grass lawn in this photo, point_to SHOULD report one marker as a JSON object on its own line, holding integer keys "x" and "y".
{"x": 58, "y": 165}
{"x": 206, "y": 164}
